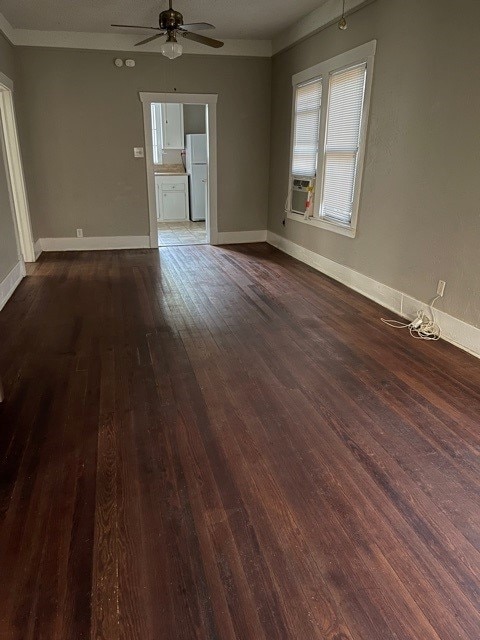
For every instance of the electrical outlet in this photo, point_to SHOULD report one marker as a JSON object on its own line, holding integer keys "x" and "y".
{"x": 441, "y": 287}
{"x": 79, "y": 233}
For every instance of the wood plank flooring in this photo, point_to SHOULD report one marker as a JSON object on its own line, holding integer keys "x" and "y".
{"x": 208, "y": 443}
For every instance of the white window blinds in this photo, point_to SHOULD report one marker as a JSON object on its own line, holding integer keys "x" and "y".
{"x": 308, "y": 98}
{"x": 344, "y": 118}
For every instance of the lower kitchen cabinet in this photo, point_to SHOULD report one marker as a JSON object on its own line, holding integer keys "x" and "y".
{"x": 172, "y": 197}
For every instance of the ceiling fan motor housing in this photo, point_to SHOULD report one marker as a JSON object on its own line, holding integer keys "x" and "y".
{"x": 170, "y": 20}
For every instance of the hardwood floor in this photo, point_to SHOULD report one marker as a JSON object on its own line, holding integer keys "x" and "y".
{"x": 221, "y": 443}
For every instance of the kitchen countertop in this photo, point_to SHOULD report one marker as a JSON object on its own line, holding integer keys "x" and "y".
{"x": 170, "y": 173}
{"x": 169, "y": 170}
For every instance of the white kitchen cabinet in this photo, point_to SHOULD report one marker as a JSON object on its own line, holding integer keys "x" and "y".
{"x": 172, "y": 126}
{"x": 174, "y": 205}
{"x": 172, "y": 197}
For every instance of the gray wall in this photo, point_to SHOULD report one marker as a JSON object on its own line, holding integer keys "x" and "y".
{"x": 8, "y": 242}
{"x": 194, "y": 118}
{"x": 80, "y": 117}
{"x": 419, "y": 217}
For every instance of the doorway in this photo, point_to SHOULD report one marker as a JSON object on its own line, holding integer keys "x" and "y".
{"x": 180, "y": 160}
{"x": 180, "y": 147}
{"x": 15, "y": 171}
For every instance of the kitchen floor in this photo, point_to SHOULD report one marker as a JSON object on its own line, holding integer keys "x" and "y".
{"x": 181, "y": 233}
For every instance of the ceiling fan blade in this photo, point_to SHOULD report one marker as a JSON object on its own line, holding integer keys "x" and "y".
{"x": 134, "y": 26}
{"x": 158, "y": 35}
{"x": 210, "y": 42}
{"x": 197, "y": 26}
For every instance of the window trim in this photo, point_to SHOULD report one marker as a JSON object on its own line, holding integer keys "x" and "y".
{"x": 365, "y": 53}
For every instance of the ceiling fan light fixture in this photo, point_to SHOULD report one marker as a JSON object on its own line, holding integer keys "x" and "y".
{"x": 171, "y": 48}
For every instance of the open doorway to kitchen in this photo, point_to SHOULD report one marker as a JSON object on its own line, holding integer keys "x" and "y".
{"x": 180, "y": 137}
{"x": 180, "y": 162}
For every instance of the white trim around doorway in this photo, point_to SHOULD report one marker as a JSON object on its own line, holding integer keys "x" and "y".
{"x": 15, "y": 170}
{"x": 210, "y": 100}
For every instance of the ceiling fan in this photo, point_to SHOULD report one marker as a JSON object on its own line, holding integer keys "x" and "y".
{"x": 171, "y": 24}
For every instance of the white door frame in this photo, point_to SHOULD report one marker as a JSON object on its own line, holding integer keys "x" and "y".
{"x": 15, "y": 169}
{"x": 210, "y": 100}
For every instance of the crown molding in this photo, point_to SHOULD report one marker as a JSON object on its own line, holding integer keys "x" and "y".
{"x": 325, "y": 15}
{"x": 126, "y": 42}
{"x": 7, "y": 29}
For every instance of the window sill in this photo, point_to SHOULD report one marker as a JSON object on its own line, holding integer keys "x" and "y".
{"x": 344, "y": 230}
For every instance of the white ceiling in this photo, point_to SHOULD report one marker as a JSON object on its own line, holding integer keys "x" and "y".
{"x": 243, "y": 19}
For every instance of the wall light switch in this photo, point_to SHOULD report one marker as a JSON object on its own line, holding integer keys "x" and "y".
{"x": 138, "y": 152}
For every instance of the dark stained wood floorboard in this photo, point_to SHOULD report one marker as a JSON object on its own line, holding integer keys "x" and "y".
{"x": 208, "y": 443}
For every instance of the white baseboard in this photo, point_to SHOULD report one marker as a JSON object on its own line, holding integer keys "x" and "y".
{"x": 37, "y": 247}
{"x": 94, "y": 243}
{"x": 239, "y": 237}
{"x": 11, "y": 282}
{"x": 459, "y": 333}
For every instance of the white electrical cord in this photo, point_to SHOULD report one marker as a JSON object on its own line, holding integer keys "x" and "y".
{"x": 287, "y": 200}
{"x": 422, "y": 328}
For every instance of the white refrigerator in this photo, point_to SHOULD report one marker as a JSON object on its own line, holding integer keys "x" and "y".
{"x": 197, "y": 169}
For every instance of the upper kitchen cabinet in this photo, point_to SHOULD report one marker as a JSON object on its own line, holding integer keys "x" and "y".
{"x": 167, "y": 132}
{"x": 172, "y": 126}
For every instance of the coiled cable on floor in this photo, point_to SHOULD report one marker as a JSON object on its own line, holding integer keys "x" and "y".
{"x": 423, "y": 327}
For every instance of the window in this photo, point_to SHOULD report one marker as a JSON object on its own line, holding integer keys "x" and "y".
{"x": 307, "y": 121}
{"x": 157, "y": 133}
{"x": 344, "y": 117}
{"x": 328, "y": 136}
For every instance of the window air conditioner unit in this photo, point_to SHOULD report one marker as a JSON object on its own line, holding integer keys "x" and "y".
{"x": 302, "y": 189}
